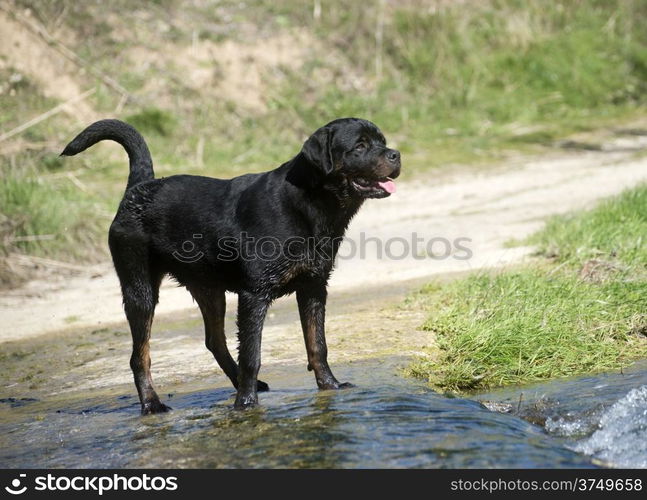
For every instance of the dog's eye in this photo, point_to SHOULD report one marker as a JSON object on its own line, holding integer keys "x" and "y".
{"x": 360, "y": 146}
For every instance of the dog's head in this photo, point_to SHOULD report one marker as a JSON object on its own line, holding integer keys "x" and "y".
{"x": 351, "y": 153}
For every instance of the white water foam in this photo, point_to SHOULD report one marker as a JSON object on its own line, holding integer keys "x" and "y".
{"x": 559, "y": 426}
{"x": 621, "y": 437}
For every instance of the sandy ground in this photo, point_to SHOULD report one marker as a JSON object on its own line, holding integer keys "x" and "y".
{"x": 483, "y": 207}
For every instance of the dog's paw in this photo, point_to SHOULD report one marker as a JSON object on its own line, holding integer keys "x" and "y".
{"x": 335, "y": 386}
{"x": 152, "y": 407}
{"x": 245, "y": 401}
{"x": 262, "y": 386}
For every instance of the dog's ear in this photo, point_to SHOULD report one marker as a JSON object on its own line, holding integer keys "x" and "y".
{"x": 318, "y": 150}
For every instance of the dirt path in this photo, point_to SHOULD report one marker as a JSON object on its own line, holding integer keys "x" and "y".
{"x": 485, "y": 208}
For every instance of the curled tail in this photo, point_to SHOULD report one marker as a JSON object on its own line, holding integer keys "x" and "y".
{"x": 141, "y": 164}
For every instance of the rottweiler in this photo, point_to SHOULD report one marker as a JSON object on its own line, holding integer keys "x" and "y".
{"x": 261, "y": 236}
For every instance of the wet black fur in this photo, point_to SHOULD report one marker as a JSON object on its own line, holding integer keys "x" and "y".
{"x": 311, "y": 196}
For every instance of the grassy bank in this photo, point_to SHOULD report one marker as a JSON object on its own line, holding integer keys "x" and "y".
{"x": 226, "y": 88}
{"x": 581, "y": 308}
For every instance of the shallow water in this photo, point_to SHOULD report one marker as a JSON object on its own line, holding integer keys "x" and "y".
{"x": 386, "y": 421}
{"x": 603, "y": 416}
{"x": 69, "y": 401}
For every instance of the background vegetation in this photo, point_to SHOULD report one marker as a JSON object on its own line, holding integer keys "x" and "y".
{"x": 221, "y": 88}
{"x": 582, "y": 308}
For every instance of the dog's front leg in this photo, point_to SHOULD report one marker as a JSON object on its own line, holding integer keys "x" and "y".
{"x": 252, "y": 309}
{"x": 312, "y": 311}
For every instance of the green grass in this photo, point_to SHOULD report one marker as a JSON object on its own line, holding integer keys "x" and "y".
{"x": 553, "y": 319}
{"x": 466, "y": 83}
{"x": 458, "y": 84}
{"x": 152, "y": 121}
{"x": 47, "y": 217}
{"x": 615, "y": 230}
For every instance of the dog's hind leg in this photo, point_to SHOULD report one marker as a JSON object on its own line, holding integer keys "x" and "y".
{"x": 139, "y": 302}
{"x": 140, "y": 307}
{"x": 212, "y": 305}
{"x": 140, "y": 290}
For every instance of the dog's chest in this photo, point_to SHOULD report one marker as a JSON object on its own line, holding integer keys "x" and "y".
{"x": 314, "y": 262}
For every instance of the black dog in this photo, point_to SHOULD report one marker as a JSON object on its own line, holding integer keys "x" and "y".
{"x": 302, "y": 209}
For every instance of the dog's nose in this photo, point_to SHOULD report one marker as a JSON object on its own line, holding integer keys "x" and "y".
{"x": 393, "y": 156}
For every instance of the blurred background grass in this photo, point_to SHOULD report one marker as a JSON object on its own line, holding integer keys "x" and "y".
{"x": 224, "y": 87}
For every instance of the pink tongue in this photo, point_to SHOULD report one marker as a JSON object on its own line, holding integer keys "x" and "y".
{"x": 388, "y": 186}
